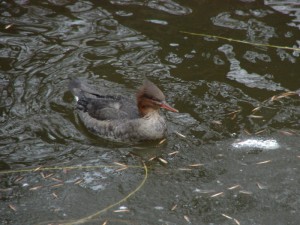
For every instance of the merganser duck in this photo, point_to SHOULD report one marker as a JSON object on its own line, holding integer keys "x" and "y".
{"x": 120, "y": 118}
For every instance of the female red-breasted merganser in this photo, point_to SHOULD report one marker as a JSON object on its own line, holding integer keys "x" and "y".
{"x": 120, "y": 118}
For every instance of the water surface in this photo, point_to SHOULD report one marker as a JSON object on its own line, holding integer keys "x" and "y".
{"x": 232, "y": 153}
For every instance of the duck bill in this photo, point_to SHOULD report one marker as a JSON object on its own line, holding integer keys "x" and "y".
{"x": 167, "y": 107}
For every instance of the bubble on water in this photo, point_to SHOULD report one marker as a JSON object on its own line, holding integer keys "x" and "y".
{"x": 173, "y": 58}
{"x": 270, "y": 144}
{"x": 160, "y": 22}
{"x": 124, "y": 13}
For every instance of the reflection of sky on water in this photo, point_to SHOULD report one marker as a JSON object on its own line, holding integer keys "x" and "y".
{"x": 270, "y": 144}
{"x": 290, "y": 7}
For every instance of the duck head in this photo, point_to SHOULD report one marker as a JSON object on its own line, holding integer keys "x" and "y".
{"x": 150, "y": 98}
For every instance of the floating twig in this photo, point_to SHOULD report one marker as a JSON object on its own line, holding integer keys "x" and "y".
{"x": 56, "y": 185}
{"x": 123, "y": 168}
{"x": 49, "y": 175}
{"x": 187, "y": 219}
{"x": 78, "y": 181}
{"x": 55, "y": 195}
{"x": 196, "y": 165}
{"x": 260, "y": 131}
{"x": 120, "y": 164}
{"x": 162, "y": 141}
{"x": 38, "y": 168}
{"x": 35, "y": 188}
{"x": 217, "y": 122}
{"x": 263, "y": 162}
{"x": 56, "y": 179}
{"x": 163, "y": 161}
{"x": 260, "y": 186}
{"x": 234, "y": 112}
{"x": 231, "y": 218}
{"x": 247, "y": 132}
{"x": 152, "y": 158}
{"x": 184, "y": 169}
{"x": 8, "y": 26}
{"x": 228, "y": 217}
{"x": 180, "y": 135}
{"x": 121, "y": 210}
{"x": 174, "y": 207}
{"x": 236, "y": 221}
{"x": 283, "y": 95}
{"x": 218, "y": 194}
{"x": 287, "y": 133}
{"x": 42, "y": 174}
{"x": 240, "y": 41}
{"x": 255, "y": 117}
{"x": 246, "y": 192}
{"x": 234, "y": 187}
{"x": 256, "y": 109}
{"x": 19, "y": 179}
{"x": 173, "y": 153}
{"x": 12, "y": 207}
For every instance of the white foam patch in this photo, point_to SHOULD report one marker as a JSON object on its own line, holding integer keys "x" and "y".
{"x": 76, "y": 98}
{"x": 256, "y": 143}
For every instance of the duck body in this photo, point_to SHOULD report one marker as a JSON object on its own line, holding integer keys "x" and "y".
{"x": 120, "y": 118}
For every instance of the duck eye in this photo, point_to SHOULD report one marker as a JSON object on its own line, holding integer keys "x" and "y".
{"x": 151, "y": 98}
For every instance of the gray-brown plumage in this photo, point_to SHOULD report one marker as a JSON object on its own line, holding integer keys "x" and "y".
{"x": 120, "y": 118}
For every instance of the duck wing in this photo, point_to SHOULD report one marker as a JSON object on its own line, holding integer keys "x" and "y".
{"x": 102, "y": 107}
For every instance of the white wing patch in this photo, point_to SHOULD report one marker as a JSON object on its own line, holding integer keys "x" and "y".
{"x": 115, "y": 105}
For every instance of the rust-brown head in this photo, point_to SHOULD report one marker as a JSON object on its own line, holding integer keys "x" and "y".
{"x": 150, "y": 98}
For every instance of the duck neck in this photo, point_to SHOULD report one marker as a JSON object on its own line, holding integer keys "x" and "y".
{"x": 146, "y": 107}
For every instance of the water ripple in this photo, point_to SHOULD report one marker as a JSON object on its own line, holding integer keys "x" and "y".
{"x": 43, "y": 49}
{"x": 240, "y": 75}
{"x": 256, "y": 30}
{"x": 253, "y": 56}
{"x": 167, "y": 6}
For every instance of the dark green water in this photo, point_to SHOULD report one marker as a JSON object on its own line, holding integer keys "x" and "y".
{"x": 246, "y": 140}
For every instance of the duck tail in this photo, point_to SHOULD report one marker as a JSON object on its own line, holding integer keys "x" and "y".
{"x": 77, "y": 89}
